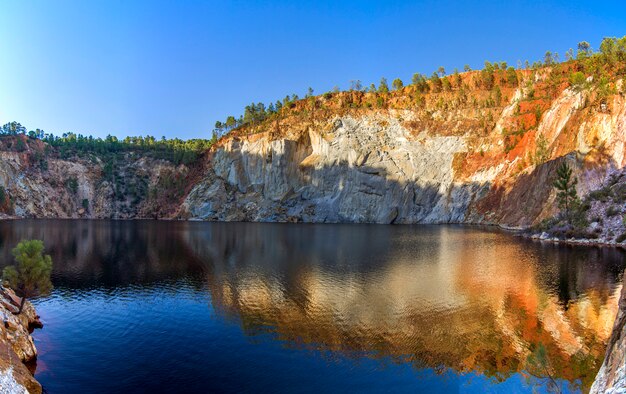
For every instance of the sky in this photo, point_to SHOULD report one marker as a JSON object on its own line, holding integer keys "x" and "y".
{"x": 172, "y": 68}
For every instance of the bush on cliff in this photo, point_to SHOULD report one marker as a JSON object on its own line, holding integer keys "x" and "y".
{"x": 31, "y": 276}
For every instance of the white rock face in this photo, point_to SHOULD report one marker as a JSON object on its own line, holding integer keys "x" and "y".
{"x": 391, "y": 166}
{"x": 360, "y": 171}
{"x": 8, "y": 384}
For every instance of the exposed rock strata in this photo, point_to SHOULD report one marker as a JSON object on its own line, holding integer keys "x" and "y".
{"x": 130, "y": 191}
{"x": 381, "y": 166}
{"x": 16, "y": 345}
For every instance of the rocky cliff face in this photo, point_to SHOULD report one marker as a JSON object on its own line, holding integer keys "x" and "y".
{"x": 16, "y": 345}
{"x": 464, "y": 154}
{"x": 80, "y": 187}
{"x": 364, "y": 170}
{"x": 414, "y": 165}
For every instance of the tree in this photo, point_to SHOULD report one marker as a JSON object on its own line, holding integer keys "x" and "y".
{"x": 467, "y": 68}
{"x": 497, "y": 95}
{"x": 538, "y": 364}
{"x": 577, "y": 80}
{"x": 31, "y": 277}
{"x": 355, "y": 84}
{"x": 584, "y": 49}
{"x": 13, "y": 128}
{"x": 486, "y": 75}
{"x": 420, "y": 82}
{"x": 445, "y": 82}
{"x": 608, "y": 49}
{"x": 566, "y": 189}
{"x": 542, "y": 153}
{"x": 441, "y": 71}
{"x": 436, "y": 82}
{"x": 511, "y": 77}
{"x": 219, "y": 126}
{"x": 548, "y": 59}
{"x": 382, "y": 86}
{"x": 397, "y": 84}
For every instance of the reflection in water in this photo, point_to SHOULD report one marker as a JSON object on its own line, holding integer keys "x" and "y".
{"x": 440, "y": 297}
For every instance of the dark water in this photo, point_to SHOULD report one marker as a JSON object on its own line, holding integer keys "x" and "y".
{"x": 233, "y": 307}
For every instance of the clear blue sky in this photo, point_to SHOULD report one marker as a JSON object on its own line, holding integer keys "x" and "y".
{"x": 174, "y": 67}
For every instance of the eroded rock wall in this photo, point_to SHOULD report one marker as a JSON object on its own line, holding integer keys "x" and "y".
{"x": 16, "y": 345}
{"x": 392, "y": 166}
{"x": 80, "y": 188}
{"x": 360, "y": 171}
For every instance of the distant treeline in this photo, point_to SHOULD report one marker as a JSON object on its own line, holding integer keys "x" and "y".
{"x": 612, "y": 50}
{"x": 174, "y": 150}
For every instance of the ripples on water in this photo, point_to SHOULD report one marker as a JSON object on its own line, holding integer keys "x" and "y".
{"x": 197, "y": 307}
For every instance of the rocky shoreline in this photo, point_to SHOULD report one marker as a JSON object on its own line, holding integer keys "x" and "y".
{"x": 17, "y": 347}
{"x": 545, "y": 237}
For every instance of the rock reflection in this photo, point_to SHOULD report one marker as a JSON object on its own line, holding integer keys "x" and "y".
{"x": 434, "y": 296}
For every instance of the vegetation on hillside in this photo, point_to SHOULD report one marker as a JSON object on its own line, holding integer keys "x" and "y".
{"x": 486, "y": 90}
{"x": 174, "y": 150}
{"x": 599, "y": 216}
{"x": 121, "y": 169}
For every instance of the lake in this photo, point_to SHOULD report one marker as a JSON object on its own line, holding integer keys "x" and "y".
{"x": 147, "y": 306}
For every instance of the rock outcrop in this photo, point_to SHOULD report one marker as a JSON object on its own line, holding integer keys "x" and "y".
{"x": 16, "y": 345}
{"x": 611, "y": 378}
{"x": 410, "y": 166}
{"x": 463, "y": 154}
{"x": 359, "y": 171}
{"x": 85, "y": 187}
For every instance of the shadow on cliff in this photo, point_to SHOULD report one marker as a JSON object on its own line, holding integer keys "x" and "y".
{"x": 291, "y": 184}
{"x": 529, "y": 197}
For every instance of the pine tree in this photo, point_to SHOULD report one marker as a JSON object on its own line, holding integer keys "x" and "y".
{"x": 566, "y": 186}
{"x": 397, "y": 84}
{"x": 382, "y": 86}
{"x": 31, "y": 277}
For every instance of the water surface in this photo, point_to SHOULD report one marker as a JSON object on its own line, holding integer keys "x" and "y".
{"x": 149, "y": 306}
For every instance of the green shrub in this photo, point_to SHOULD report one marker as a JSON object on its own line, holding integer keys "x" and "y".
{"x": 612, "y": 211}
{"x": 72, "y": 184}
{"x": 537, "y": 113}
{"x": 577, "y": 80}
{"x": 604, "y": 194}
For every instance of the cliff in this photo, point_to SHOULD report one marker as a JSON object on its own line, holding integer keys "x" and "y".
{"x": 481, "y": 148}
{"x": 17, "y": 348}
{"x": 39, "y": 181}
{"x": 452, "y": 156}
